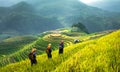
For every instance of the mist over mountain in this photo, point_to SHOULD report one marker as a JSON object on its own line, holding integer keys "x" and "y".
{"x": 38, "y": 16}
{"x": 73, "y": 11}
{"x": 109, "y": 5}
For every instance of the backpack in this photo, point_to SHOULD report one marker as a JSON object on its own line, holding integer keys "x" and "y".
{"x": 47, "y": 51}
{"x": 30, "y": 55}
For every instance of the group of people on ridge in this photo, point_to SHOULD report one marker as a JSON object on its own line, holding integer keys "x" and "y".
{"x": 32, "y": 54}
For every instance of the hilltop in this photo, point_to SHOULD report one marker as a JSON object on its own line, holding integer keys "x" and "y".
{"x": 101, "y": 54}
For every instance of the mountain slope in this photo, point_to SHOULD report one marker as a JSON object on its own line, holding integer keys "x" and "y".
{"x": 37, "y": 16}
{"x": 25, "y": 23}
{"x": 13, "y": 44}
{"x": 95, "y": 55}
{"x": 23, "y": 19}
{"x": 73, "y": 11}
{"x": 18, "y": 48}
{"x": 102, "y": 55}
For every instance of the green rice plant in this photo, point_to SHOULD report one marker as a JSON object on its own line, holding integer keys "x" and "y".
{"x": 99, "y": 55}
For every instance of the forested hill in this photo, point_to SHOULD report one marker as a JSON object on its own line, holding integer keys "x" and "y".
{"x": 73, "y": 11}
{"x": 22, "y": 18}
{"x": 37, "y": 16}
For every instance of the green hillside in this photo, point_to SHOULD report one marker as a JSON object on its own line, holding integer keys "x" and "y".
{"x": 22, "y": 18}
{"x": 17, "y": 48}
{"x": 37, "y": 16}
{"x": 99, "y": 55}
{"x": 13, "y": 44}
{"x": 69, "y": 12}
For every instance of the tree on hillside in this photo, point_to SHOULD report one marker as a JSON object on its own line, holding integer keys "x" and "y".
{"x": 79, "y": 27}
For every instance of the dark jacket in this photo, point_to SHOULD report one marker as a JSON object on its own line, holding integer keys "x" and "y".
{"x": 61, "y": 45}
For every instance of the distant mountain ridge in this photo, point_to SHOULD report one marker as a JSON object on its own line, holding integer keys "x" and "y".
{"x": 38, "y": 16}
{"x": 23, "y": 19}
{"x": 73, "y": 11}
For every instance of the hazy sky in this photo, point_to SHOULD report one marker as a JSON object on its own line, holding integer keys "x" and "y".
{"x": 9, "y": 2}
{"x": 111, "y": 5}
{"x": 104, "y": 4}
{"x": 89, "y": 2}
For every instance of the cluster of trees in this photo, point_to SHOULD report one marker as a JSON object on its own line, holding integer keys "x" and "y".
{"x": 79, "y": 27}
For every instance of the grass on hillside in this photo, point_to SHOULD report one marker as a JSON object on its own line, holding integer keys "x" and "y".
{"x": 23, "y": 51}
{"x": 99, "y": 55}
{"x": 11, "y": 45}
